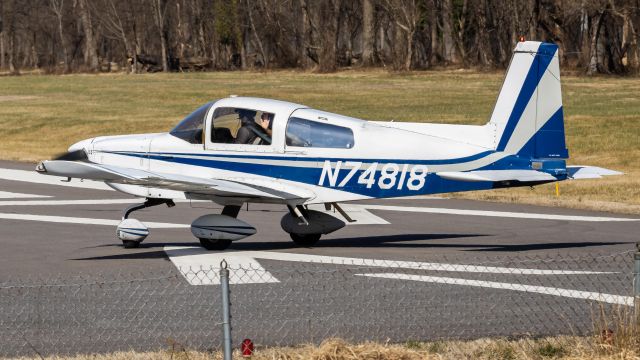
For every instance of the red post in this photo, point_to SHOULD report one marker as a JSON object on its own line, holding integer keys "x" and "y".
{"x": 247, "y": 348}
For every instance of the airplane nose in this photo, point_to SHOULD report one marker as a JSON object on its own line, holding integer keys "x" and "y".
{"x": 80, "y": 145}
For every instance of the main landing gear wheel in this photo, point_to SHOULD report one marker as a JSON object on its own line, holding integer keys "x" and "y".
{"x": 214, "y": 244}
{"x": 130, "y": 244}
{"x": 305, "y": 240}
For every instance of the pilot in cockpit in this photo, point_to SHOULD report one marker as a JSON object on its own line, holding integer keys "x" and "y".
{"x": 266, "y": 123}
{"x": 248, "y": 128}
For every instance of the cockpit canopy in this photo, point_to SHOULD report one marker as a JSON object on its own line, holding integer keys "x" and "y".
{"x": 190, "y": 129}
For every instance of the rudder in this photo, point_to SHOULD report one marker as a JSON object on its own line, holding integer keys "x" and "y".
{"x": 528, "y": 118}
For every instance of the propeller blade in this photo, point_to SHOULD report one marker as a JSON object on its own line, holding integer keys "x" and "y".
{"x": 78, "y": 155}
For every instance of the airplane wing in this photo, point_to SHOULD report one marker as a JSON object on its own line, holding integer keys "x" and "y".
{"x": 497, "y": 175}
{"x": 245, "y": 188}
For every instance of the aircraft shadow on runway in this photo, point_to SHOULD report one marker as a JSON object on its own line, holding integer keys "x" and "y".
{"x": 388, "y": 241}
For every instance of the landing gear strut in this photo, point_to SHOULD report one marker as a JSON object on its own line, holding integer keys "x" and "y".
{"x": 131, "y": 231}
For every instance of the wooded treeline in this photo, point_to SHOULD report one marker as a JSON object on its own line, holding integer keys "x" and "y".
{"x": 595, "y": 36}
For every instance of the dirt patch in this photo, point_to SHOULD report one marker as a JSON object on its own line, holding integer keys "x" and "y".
{"x": 16, "y": 97}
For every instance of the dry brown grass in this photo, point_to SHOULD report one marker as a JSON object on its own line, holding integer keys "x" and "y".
{"x": 565, "y": 347}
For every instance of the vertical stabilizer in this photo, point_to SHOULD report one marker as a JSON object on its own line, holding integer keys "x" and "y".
{"x": 528, "y": 118}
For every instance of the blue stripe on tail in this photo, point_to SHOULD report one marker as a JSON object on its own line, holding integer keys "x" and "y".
{"x": 540, "y": 63}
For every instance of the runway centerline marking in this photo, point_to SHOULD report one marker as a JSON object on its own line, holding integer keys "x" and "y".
{"x": 12, "y": 195}
{"x": 568, "y": 293}
{"x": 85, "y": 221}
{"x": 489, "y": 213}
{"x": 189, "y": 259}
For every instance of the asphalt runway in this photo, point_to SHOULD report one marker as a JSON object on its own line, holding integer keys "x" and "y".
{"x": 469, "y": 269}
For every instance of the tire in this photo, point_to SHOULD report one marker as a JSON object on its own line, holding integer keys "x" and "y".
{"x": 130, "y": 244}
{"x": 305, "y": 240}
{"x": 214, "y": 244}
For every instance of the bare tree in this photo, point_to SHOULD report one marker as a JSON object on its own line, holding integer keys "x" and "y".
{"x": 368, "y": 32}
{"x": 57, "y": 6}
{"x": 405, "y": 14}
{"x": 159, "y": 12}
{"x": 90, "y": 51}
{"x": 450, "y": 48}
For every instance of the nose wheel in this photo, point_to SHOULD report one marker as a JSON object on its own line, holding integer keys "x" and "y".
{"x": 131, "y": 231}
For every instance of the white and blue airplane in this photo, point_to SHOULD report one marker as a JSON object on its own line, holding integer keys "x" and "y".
{"x": 241, "y": 150}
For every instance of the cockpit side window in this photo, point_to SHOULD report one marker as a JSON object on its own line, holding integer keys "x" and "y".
{"x": 307, "y": 133}
{"x": 190, "y": 129}
{"x": 241, "y": 126}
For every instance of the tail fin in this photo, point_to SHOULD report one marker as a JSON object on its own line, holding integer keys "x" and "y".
{"x": 528, "y": 118}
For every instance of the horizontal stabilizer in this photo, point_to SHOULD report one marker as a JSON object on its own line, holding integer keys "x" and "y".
{"x": 497, "y": 175}
{"x": 589, "y": 172}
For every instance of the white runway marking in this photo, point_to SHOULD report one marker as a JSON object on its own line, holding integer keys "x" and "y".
{"x": 34, "y": 177}
{"x": 505, "y": 214}
{"x": 85, "y": 221}
{"x": 12, "y": 195}
{"x": 569, "y": 293}
{"x": 190, "y": 259}
{"x": 196, "y": 265}
{"x": 338, "y": 260}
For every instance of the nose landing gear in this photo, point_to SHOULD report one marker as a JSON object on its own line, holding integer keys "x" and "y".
{"x": 131, "y": 231}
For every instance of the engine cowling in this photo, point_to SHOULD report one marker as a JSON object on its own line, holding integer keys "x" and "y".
{"x": 221, "y": 227}
{"x": 319, "y": 223}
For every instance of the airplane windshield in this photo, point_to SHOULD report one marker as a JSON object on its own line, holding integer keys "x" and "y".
{"x": 190, "y": 129}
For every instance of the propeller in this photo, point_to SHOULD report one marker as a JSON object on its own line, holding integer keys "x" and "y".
{"x": 76, "y": 155}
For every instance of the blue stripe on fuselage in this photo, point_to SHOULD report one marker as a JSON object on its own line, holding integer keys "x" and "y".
{"x": 311, "y": 175}
{"x": 316, "y": 159}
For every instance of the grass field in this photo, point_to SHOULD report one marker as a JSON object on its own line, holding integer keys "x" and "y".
{"x": 41, "y": 115}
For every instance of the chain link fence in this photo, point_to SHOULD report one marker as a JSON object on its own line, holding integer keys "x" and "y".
{"x": 290, "y": 303}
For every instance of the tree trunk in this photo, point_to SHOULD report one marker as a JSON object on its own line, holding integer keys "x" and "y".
{"x": 327, "y": 14}
{"x": 450, "y": 53}
{"x": 483, "y": 38}
{"x": 91, "y": 49}
{"x": 2, "y": 58}
{"x": 303, "y": 59}
{"x": 13, "y": 67}
{"x": 409, "y": 59}
{"x": 159, "y": 7}
{"x": 58, "y": 7}
{"x": 265, "y": 60}
{"x": 435, "y": 55}
{"x": 368, "y": 33}
{"x": 630, "y": 42}
{"x": 593, "y": 48}
{"x": 585, "y": 38}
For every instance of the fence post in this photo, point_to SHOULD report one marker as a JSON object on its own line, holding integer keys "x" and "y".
{"x": 226, "y": 313}
{"x": 636, "y": 284}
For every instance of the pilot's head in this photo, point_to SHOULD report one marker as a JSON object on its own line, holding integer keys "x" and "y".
{"x": 246, "y": 115}
{"x": 266, "y": 119}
